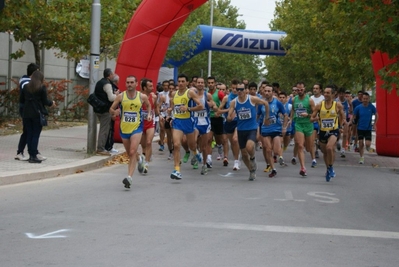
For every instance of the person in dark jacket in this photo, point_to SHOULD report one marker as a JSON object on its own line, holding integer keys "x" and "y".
{"x": 105, "y": 93}
{"x": 32, "y": 67}
{"x": 34, "y": 98}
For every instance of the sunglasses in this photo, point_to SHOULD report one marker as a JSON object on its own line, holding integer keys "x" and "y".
{"x": 240, "y": 89}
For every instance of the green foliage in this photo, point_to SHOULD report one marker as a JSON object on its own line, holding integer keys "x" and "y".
{"x": 225, "y": 66}
{"x": 65, "y": 25}
{"x": 77, "y": 107}
{"x": 332, "y": 42}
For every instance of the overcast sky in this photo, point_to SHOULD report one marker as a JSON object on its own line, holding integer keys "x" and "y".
{"x": 257, "y": 14}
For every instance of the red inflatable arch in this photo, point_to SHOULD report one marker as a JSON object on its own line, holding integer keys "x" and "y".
{"x": 387, "y": 135}
{"x": 155, "y": 21}
{"x": 147, "y": 38}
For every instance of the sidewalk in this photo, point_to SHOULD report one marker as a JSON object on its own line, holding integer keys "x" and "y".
{"x": 65, "y": 150}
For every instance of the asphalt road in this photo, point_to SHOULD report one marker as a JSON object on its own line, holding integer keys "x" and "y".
{"x": 220, "y": 219}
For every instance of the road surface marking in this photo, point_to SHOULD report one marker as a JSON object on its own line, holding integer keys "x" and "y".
{"x": 48, "y": 235}
{"x": 282, "y": 229}
{"x": 289, "y": 197}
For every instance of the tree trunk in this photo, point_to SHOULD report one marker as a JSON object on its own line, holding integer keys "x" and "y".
{"x": 36, "y": 48}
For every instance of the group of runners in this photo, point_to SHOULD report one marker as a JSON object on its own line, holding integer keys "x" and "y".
{"x": 194, "y": 114}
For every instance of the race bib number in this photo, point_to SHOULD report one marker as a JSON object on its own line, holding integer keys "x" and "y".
{"x": 130, "y": 117}
{"x": 299, "y": 111}
{"x": 327, "y": 123}
{"x": 244, "y": 115}
{"x": 144, "y": 113}
{"x": 201, "y": 113}
{"x": 273, "y": 120}
{"x": 178, "y": 111}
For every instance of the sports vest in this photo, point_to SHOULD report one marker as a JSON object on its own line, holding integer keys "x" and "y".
{"x": 130, "y": 113}
{"x": 178, "y": 101}
{"x": 328, "y": 117}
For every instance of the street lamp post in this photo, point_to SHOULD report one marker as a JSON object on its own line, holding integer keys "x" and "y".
{"x": 210, "y": 51}
{"x": 94, "y": 68}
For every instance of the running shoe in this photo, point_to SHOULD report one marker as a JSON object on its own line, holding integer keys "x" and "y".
{"x": 170, "y": 156}
{"x": 273, "y": 173}
{"x": 176, "y": 175}
{"x": 186, "y": 157}
{"x": 275, "y": 158}
{"x": 268, "y": 168}
{"x": 225, "y": 162}
{"x": 204, "y": 170}
{"x": 219, "y": 157}
{"x": 195, "y": 165}
{"x": 236, "y": 165}
{"x": 314, "y": 163}
{"x": 140, "y": 163}
{"x": 361, "y": 160}
{"x": 161, "y": 147}
{"x": 194, "y": 160}
{"x": 199, "y": 157}
{"x": 357, "y": 149}
{"x": 293, "y": 161}
{"x": 253, "y": 164}
{"x": 316, "y": 154}
{"x": 303, "y": 173}
{"x": 328, "y": 177}
{"x": 209, "y": 164}
{"x": 220, "y": 149}
{"x": 21, "y": 156}
{"x": 127, "y": 181}
{"x": 343, "y": 153}
{"x": 332, "y": 172}
{"x": 145, "y": 170}
{"x": 252, "y": 176}
{"x": 281, "y": 161}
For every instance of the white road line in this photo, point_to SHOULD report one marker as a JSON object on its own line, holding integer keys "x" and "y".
{"x": 283, "y": 229}
{"x": 48, "y": 235}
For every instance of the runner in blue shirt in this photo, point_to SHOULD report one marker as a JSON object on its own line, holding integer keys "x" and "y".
{"x": 245, "y": 108}
{"x": 363, "y": 114}
{"x": 274, "y": 129}
{"x": 356, "y": 102}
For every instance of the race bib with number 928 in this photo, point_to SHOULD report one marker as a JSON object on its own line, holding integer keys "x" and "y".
{"x": 130, "y": 116}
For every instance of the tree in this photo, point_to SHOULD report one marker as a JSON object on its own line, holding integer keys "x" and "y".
{"x": 334, "y": 40}
{"x": 320, "y": 45}
{"x": 225, "y": 66}
{"x": 65, "y": 25}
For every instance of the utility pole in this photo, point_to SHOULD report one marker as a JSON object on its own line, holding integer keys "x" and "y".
{"x": 94, "y": 68}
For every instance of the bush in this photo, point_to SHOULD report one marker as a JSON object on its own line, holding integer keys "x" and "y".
{"x": 76, "y": 108}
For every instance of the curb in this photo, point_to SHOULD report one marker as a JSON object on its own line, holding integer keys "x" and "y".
{"x": 88, "y": 164}
{"x": 92, "y": 163}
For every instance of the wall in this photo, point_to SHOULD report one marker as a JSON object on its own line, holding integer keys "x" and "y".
{"x": 54, "y": 68}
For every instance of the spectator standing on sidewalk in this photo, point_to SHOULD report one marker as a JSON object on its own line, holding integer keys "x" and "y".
{"x": 104, "y": 92}
{"x": 109, "y": 145}
{"x": 34, "y": 98}
{"x": 32, "y": 67}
